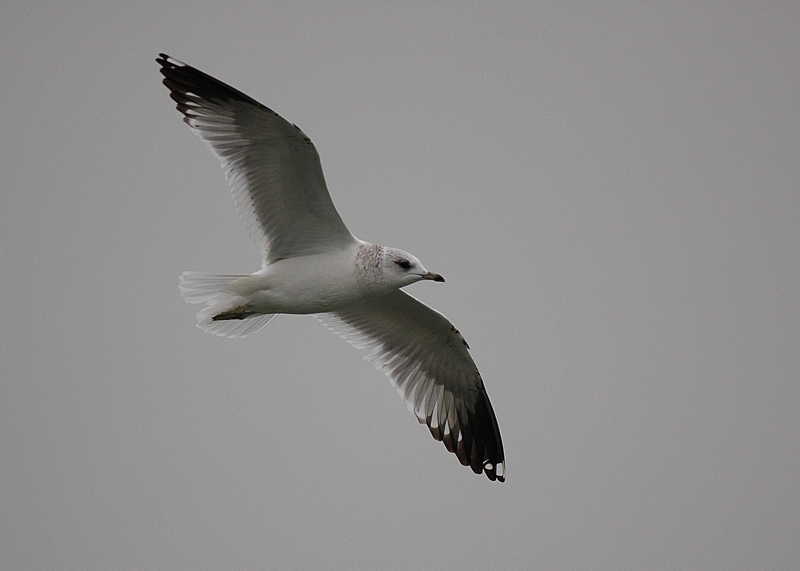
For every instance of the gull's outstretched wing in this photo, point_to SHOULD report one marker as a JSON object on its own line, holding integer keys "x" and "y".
{"x": 271, "y": 165}
{"x": 428, "y": 361}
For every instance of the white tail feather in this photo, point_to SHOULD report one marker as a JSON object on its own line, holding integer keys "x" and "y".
{"x": 198, "y": 287}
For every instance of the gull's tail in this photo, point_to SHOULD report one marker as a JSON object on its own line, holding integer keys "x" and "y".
{"x": 226, "y": 313}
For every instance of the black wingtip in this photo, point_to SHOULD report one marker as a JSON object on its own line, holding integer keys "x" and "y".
{"x": 167, "y": 61}
{"x": 470, "y": 431}
{"x": 181, "y": 78}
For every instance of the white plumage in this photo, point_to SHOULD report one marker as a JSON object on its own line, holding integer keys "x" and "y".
{"x": 312, "y": 264}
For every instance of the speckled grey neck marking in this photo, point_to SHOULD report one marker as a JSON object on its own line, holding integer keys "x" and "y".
{"x": 369, "y": 264}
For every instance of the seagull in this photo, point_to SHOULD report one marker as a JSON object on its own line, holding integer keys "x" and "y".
{"x": 312, "y": 264}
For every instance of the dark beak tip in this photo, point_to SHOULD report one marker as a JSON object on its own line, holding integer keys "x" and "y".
{"x": 438, "y": 278}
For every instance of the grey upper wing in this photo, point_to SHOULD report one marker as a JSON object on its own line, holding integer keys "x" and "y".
{"x": 272, "y": 167}
{"x": 428, "y": 361}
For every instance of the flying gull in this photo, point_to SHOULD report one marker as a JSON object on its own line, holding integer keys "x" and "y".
{"x": 312, "y": 264}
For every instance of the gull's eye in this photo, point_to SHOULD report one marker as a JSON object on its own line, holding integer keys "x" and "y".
{"x": 405, "y": 264}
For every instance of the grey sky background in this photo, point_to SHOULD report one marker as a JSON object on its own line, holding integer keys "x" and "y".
{"x": 611, "y": 190}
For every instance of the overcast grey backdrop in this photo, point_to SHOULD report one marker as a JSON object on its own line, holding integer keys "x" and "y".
{"x": 611, "y": 190}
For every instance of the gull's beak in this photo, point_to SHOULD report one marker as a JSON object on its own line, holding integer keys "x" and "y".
{"x": 432, "y": 276}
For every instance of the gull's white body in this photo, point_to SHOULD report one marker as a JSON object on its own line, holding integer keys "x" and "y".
{"x": 312, "y": 264}
{"x": 312, "y": 284}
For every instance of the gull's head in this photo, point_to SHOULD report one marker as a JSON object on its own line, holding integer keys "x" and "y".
{"x": 401, "y": 268}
